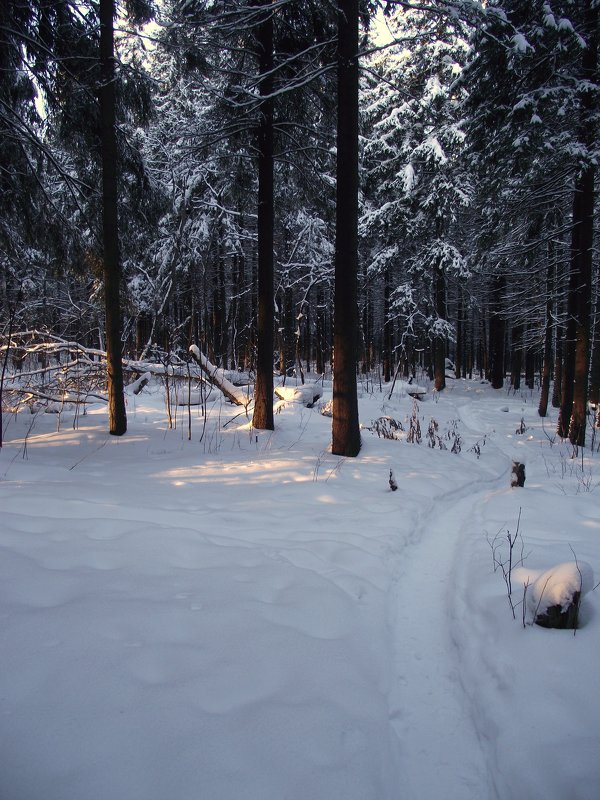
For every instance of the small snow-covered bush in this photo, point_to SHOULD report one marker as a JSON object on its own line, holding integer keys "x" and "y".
{"x": 386, "y": 428}
{"x": 326, "y": 408}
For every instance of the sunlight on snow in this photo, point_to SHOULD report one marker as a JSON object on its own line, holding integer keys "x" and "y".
{"x": 267, "y": 471}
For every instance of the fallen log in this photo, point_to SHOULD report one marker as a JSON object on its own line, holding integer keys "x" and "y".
{"x": 307, "y": 394}
{"x": 216, "y": 376}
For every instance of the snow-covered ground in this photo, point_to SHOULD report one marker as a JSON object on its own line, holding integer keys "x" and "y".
{"x": 248, "y": 617}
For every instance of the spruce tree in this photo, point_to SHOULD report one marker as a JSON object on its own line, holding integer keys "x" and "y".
{"x": 345, "y": 426}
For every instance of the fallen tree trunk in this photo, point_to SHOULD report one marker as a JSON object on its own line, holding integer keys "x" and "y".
{"x": 217, "y": 377}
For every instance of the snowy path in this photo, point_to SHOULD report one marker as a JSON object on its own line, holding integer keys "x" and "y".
{"x": 441, "y": 749}
{"x": 440, "y": 752}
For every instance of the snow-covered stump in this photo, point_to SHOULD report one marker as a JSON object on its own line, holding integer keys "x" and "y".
{"x": 554, "y": 596}
{"x": 139, "y": 384}
{"x": 517, "y": 475}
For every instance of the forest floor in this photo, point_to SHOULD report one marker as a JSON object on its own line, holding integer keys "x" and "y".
{"x": 243, "y": 616}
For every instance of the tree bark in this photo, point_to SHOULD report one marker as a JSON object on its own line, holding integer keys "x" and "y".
{"x": 262, "y": 417}
{"x": 530, "y": 363}
{"x": 579, "y": 303}
{"x": 387, "y": 329}
{"x": 345, "y": 426}
{"x": 516, "y": 357}
{"x": 594, "y": 392}
{"x": 558, "y": 371}
{"x": 459, "y": 366}
{"x": 497, "y": 329}
{"x": 547, "y": 360}
{"x": 439, "y": 342}
{"x": 117, "y": 416}
{"x": 320, "y": 334}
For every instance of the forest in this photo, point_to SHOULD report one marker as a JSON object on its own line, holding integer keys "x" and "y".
{"x": 299, "y": 377}
{"x": 393, "y": 184}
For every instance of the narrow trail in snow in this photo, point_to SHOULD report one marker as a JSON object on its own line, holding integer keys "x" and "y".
{"x": 440, "y": 752}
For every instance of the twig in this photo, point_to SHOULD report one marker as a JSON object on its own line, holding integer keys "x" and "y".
{"x": 77, "y": 463}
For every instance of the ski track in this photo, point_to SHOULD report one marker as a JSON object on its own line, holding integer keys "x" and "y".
{"x": 430, "y": 712}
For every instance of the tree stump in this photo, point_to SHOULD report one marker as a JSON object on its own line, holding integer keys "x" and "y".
{"x": 517, "y": 476}
{"x": 562, "y": 618}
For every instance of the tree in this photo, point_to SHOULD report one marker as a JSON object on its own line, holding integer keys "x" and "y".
{"x": 117, "y": 416}
{"x": 345, "y": 426}
{"x": 417, "y": 187}
{"x": 262, "y": 417}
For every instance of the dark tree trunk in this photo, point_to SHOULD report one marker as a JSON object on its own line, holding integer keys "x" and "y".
{"x": 288, "y": 334}
{"x": 581, "y": 288}
{"x": 252, "y": 333}
{"x": 516, "y": 357}
{"x": 594, "y": 393}
{"x": 117, "y": 416}
{"x": 459, "y": 367}
{"x": 387, "y": 329}
{"x": 262, "y": 417}
{"x": 320, "y": 334}
{"x": 220, "y": 338}
{"x": 439, "y": 342}
{"x": 530, "y": 361}
{"x": 307, "y": 338}
{"x": 547, "y": 360}
{"x": 497, "y": 329}
{"x": 558, "y": 369}
{"x": 367, "y": 331}
{"x": 483, "y": 350}
{"x": 345, "y": 427}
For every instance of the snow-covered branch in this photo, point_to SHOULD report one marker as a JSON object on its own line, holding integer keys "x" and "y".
{"x": 217, "y": 377}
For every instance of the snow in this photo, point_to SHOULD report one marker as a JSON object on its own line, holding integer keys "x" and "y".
{"x": 520, "y": 43}
{"x": 244, "y": 615}
{"x": 565, "y": 24}
{"x": 556, "y": 586}
{"x": 307, "y": 393}
{"x": 408, "y": 178}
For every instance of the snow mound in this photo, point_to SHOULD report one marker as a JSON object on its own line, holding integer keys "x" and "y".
{"x": 307, "y": 394}
{"x": 556, "y": 586}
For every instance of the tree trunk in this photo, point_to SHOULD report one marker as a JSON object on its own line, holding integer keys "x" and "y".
{"x": 262, "y": 417}
{"x": 288, "y": 333}
{"x": 439, "y": 342}
{"x": 367, "y": 328}
{"x": 117, "y": 416}
{"x": 581, "y": 289}
{"x": 459, "y": 367}
{"x": 558, "y": 370}
{"x": 345, "y": 426}
{"x": 530, "y": 362}
{"x": 497, "y": 329}
{"x": 594, "y": 393}
{"x": 547, "y": 361}
{"x": 320, "y": 334}
{"x": 516, "y": 357}
{"x": 387, "y": 329}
